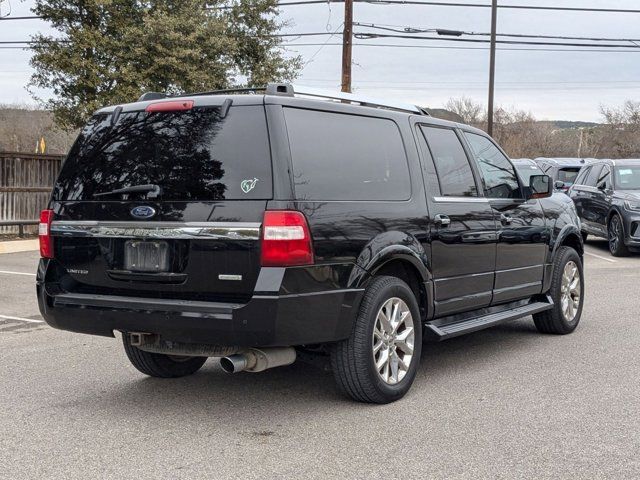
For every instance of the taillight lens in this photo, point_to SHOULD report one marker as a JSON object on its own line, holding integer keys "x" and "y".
{"x": 286, "y": 239}
{"x": 44, "y": 234}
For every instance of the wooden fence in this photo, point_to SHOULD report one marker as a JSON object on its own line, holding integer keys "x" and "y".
{"x": 26, "y": 180}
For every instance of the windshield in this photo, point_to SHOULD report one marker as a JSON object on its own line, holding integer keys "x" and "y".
{"x": 191, "y": 155}
{"x": 526, "y": 171}
{"x": 627, "y": 177}
{"x": 568, "y": 175}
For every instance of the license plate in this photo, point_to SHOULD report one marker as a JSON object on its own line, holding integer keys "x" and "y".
{"x": 142, "y": 256}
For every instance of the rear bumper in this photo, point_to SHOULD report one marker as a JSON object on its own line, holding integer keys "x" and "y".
{"x": 266, "y": 320}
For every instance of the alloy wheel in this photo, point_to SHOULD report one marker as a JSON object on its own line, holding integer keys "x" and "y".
{"x": 393, "y": 341}
{"x": 615, "y": 234}
{"x": 571, "y": 293}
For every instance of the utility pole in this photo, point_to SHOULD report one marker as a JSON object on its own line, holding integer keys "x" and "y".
{"x": 492, "y": 65}
{"x": 347, "y": 44}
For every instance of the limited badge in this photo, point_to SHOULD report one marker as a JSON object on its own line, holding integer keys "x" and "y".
{"x": 248, "y": 185}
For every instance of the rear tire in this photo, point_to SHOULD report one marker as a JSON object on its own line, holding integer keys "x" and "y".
{"x": 615, "y": 233}
{"x": 160, "y": 365}
{"x": 371, "y": 365}
{"x": 567, "y": 292}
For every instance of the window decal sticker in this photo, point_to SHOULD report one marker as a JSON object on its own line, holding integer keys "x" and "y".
{"x": 248, "y": 185}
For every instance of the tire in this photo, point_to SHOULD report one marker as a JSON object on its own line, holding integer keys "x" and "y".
{"x": 558, "y": 320}
{"x": 353, "y": 360}
{"x": 160, "y": 365}
{"x": 615, "y": 235}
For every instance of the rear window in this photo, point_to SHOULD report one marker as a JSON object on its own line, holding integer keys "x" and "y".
{"x": 192, "y": 155}
{"x": 568, "y": 175}
{"x": 346, "y": 157}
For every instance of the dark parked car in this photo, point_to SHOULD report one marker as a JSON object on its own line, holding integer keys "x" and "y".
{"x": 607, "y": 198}
{"x": 563, "y": 171}
{"x": 260, "y": 227}
{"x": 528, "y": 168}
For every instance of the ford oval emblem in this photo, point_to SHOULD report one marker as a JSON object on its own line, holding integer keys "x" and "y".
{"x": 143, "y": 211}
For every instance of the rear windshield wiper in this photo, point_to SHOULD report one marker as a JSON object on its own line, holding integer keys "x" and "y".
{"x": 153, "y": 190}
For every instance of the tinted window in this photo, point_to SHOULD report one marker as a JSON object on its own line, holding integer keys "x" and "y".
{"x": 346, "y": 157}
{"x": 604, "y": 179}
{"x": 192, "y": 155}
{"x": 592, "y": 177}
{"x": 500, "y": 180}
{"x": 568, "y": 175}
{"x": 452, "y": 166}
{"x": 582, "y": 175}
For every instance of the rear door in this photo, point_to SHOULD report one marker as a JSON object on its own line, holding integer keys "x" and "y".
{"x": 589, "y": 194}
{"x": 577, "y": 191}
{"x": 195, "y": 233}
{"x": 463, "y": 235}
{"x": 523, "y": 236}
{"x": 601, "y": 198}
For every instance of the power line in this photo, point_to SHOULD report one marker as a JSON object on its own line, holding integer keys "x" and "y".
{"x": 515, "y": 7}
{"x": 367, "y": 36}
{"x": 443, "y": 47}
{"x": 446, "y": 32}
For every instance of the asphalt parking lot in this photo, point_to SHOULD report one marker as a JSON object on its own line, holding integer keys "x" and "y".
{"x": 502, "y": 403}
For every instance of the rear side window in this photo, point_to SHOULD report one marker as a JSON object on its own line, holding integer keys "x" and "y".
{"x": 500, "y": 180}
{"x": 593, "y": 176}
{"x": 192, "y": 155}
{"x": 584, "y": 172}
{"x": 346, "y": 157}
{"x": 452, "y": 166}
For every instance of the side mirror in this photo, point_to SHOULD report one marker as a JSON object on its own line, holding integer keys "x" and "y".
{"x": 540, "y": 186}
{"x": 603, "y": 187}
{"x": 559, "y": 185}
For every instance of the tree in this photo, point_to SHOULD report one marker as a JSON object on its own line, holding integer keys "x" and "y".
{"x": 471, "y": 112}
{"x": 111, "y": 51}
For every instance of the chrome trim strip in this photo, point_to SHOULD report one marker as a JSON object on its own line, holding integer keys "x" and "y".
{"x": 158, "y": 230}
{"x": 461, "y": 199}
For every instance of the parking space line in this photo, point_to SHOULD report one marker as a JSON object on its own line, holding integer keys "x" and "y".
{"x": 7, "y": 272}
{"x": 20, "y": 319}
{"x": 600, "y": 257}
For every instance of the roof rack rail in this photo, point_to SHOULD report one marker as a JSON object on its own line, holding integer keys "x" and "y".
{"x": 289, "y": 90}
{"x": 292, "y": 90}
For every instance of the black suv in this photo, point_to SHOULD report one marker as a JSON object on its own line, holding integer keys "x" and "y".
{"x": 563, "y": 171}
{"x": 607, "y": 198}
{"x": 261, "y": 227}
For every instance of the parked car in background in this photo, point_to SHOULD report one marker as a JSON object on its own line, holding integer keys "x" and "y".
{"x": 563, "y": 171}
{"x": 607, "y": 198}
{"x": 527, "y": 168}
{"x": 257, "y": 227}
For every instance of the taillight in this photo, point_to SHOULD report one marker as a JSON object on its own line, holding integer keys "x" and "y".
{"x": 44, "y": 234}
{"x": 170, "y": 106}
{"x": 286, "y": 239}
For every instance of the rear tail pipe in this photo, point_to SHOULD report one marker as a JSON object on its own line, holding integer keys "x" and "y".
{"x": 258, "y": 359}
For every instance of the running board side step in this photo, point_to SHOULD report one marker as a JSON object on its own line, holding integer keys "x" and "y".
{"x": 444, "y": 332}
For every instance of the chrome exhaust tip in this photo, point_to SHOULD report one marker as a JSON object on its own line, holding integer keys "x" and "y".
{"x": 234, "y": 363}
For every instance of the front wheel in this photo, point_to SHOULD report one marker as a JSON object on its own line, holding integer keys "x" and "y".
{"x": 616, "y": 237}
{"x": 379, "y": 361}
{"x": 161, "y": 365}
{"x": 567, "y": 292}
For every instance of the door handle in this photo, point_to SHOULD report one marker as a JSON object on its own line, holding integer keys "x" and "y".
{"x": 442, "y": 220}
{"x": 505, "y": 219}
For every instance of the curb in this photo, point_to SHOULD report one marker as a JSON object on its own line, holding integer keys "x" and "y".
{"x": 15, "y": 246}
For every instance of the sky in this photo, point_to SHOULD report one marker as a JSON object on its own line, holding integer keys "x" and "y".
{"x": 552, "y": 85}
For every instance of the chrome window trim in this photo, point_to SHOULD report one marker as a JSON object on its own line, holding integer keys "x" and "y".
{"x": 461, "y": 199}
{"x": 157, "y": 230}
